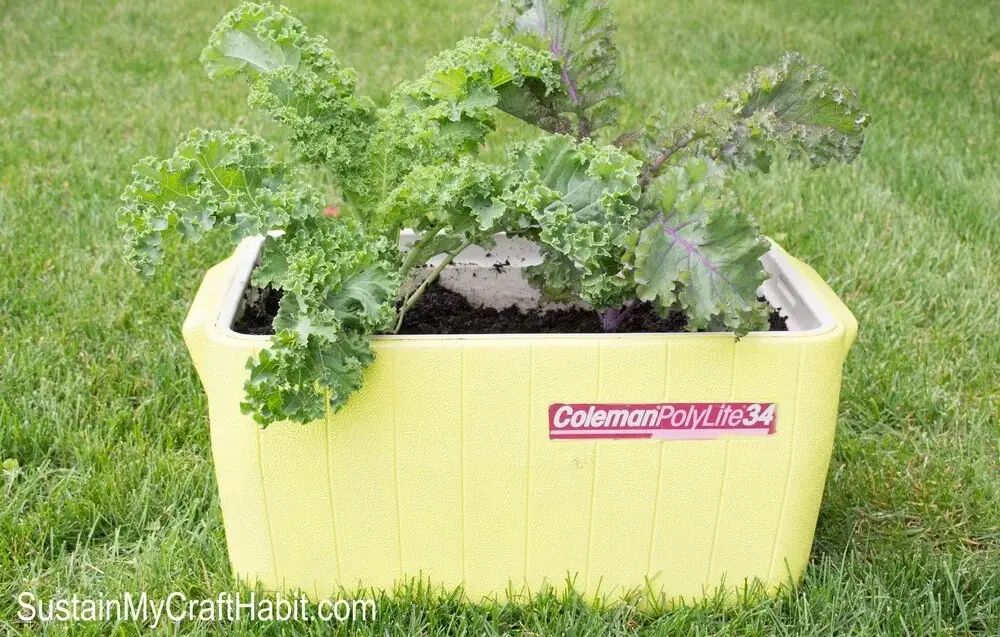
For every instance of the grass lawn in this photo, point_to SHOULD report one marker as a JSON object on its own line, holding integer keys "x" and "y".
{"x": 100, "y": 406}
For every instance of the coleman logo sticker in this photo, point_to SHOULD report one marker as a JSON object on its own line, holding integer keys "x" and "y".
{"x": 660, "y": 420}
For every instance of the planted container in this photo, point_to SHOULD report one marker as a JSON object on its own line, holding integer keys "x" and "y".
{"x": 667, "y": 463}
{"x": 671, "y": 462}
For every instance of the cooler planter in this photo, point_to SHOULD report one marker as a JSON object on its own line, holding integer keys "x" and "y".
{"x": 515, "y": 461}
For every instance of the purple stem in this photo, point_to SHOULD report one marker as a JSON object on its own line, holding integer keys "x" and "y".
{"x": 667, "y": 153}
{"x": 613, "y": 317}
{"x": 570, "y": 86}
{"x": 567, "y": 80}
{"x": 609, "y": 319}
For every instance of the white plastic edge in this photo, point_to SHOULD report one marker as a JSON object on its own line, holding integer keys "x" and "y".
{"x": 786, "y": 289}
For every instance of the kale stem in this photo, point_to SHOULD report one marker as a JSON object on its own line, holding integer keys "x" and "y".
{"x": 414, "y": 252}
{"x": 609, "y": 318}
{"x": 410, "y": 300}
{"x": 665, "y": 154}
{"x": 613, "y": 317}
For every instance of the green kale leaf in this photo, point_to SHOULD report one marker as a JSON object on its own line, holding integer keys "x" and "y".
{"x": 579, "y": 35}
{"x": 790, "y": 108}
{"x": 296, "y": 79}
{"x": 578, "y": 200}
{"x": 339, "y": 287}
{"x": 214, "y": 180}
{"x": 700, "y": 253}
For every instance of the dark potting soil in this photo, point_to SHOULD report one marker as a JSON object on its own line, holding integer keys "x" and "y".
{"x": 441, "y": 311}
{"x": 258, "y": 313}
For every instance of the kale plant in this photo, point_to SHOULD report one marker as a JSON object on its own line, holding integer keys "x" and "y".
{"x": 649, "y": 217}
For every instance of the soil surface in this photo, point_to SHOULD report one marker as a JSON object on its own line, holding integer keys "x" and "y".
{"x": 260, "y": 308}
{"x": 441, "y": 311}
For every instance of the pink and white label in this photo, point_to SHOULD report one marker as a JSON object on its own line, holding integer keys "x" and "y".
{"x": 575, "y": 421}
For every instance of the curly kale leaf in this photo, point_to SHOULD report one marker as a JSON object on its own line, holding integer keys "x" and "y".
{"x": 295, "y": 381}
{"x": 437, "y": 118}
{"x": 466, "y": 198}
{"x": 578, "y": 33}
{"x": 330, "y": 268}
{"x": 448, "y": 111}
{"x": 556, "y": 277}
{"x": 214, "y": 180}
{"x": 255, "y": 38}
{"x": 465, "y": 79}
{"x": 296, "y": 79}
{"x": 790, "y": 107}
{"x": 700, "y": 253}
{"x": 340, "y": 287}
{"x": 579, "y": 201}
{"x": 452, "y": 206}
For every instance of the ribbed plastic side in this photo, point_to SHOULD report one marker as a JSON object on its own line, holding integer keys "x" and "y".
{"x": 442, "y": 466}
